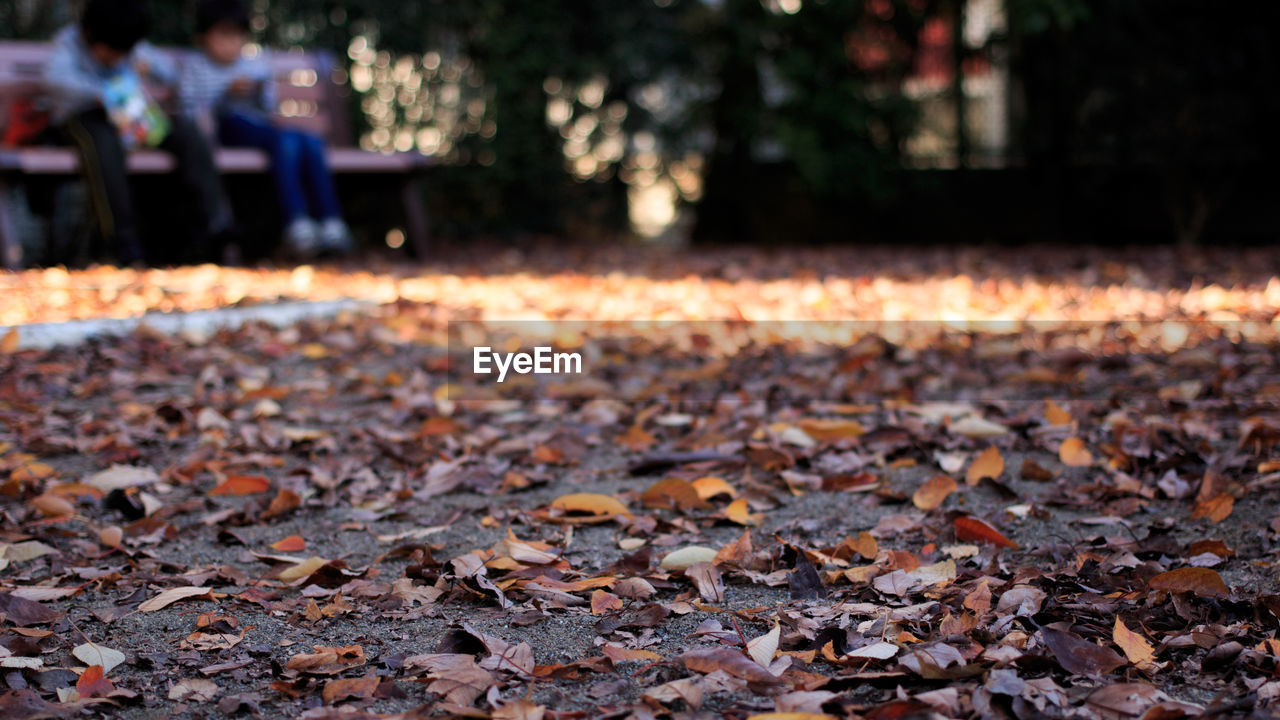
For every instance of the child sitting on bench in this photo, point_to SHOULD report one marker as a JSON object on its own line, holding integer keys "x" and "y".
{"x": 234, "y": 96}
{"x": 95, "y": 84}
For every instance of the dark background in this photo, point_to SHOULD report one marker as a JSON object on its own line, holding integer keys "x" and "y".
{"x": 1124, "y": 120}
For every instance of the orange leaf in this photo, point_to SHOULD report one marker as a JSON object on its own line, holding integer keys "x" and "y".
{"x": 931, "y": 494}
{"x": 673, "y": 492}
{"x": 823, "y": 429}
{"x": 1135, "y": 647}
{"x": 1073, "y": 453}
{"x": 1201, "y": 581}
{"x": 590, "y": 504}
{"x": 602, "y": 602}
{"x": 1055, "y": 414}
{"x": 283, "y": 502}
{"x": 1216, "y": 508}
{"x": 93, "y": 684}
{"x": 636, "y": 438}
{"x": 9, "y": 342}
{"x": 972, "y": 528}
{"x": 989, "y": 464}
{"x": 242, "y": 485}
{"x": 293, "y": 543}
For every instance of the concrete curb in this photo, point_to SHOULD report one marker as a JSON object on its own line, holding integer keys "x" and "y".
{"x": 40, "y": 336}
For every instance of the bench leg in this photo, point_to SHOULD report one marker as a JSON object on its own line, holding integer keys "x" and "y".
{"x": 417, "y": 228}
{"x": 10, "y": 244}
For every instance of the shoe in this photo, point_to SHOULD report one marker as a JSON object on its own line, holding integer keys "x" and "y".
{"x": 335, "y": 237}
{"x": 301, "y": 237}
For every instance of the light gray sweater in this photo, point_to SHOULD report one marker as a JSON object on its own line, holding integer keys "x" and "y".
{"x": 75, "y": 81}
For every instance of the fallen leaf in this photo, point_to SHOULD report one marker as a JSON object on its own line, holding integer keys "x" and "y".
{"x": 1204, "y": 582}
{"x": 94, "y": 654}
{"x": 242, "y": 485}
{"x": 733, "y": 662}
{"x": 763, "y": 648}
{"x": 347, "y": 688}
{"x": 707, "y": 579}
{"x": 173, "y": 595}
{"x": 603, "y": 602}
{"x": 684, "y": 557}
{"x": 709, "y": 487}
{"x": 119, "y": 477}
{"x": 285, "y": 501}
{"x": 976, "y": 427}
{"x": 293, "y": 543}
{"x": 738, "y": 512}
{"x": 1135, "y": 647}
{"x": 92, "y": 683}
{"x": 988, "y": 464}
{"x": 621, "y": 654}
{"x": 673, "y": 493}
{"x": 302, "y": 569}
{"x": 1216, "y": 508}
{"x": 972, "y": 528}
{"x": 196, "y": 690}
{"x": 590, "y": 504}
{"x": 1073, "y": 453}
{"x": 1079, "y": 656}
{"x": 875, "y": 651}
{"x": 1055, "y": 414}
{"x": 934, "y": 491}
{"x": 9, "y": 341}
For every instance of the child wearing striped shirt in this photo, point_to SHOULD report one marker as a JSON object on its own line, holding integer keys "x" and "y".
{"x": 234, "y": 96}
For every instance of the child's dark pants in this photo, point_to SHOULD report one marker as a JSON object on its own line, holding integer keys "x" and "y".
{"x": 297, "y": 160}
{"x": 102, "y": 158}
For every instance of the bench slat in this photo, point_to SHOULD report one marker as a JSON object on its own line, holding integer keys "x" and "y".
{"x": 62, "y": 161}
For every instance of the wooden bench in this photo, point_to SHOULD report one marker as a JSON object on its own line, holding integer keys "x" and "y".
{"x": 309, "y": 98}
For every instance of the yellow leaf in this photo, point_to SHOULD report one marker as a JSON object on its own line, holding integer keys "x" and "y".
{"x": 302, "y": 569}
{"x": 823, "y": 429}
{"x": 1074, "y": 453}
{"x": 988, "y": 464}
{"x": 738, "y": 512}
{"x": 1135, "y": 647}
{"x": 709, "y": 487}
{"x": 590, "y": 504}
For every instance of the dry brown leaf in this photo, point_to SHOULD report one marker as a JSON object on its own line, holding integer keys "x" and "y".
{"x": 988, "y": 464}
{"x": 302, "y": 569}
{"x": 763, "y": 648}
{"x": 673, "y": 493}
{"x": 934, "y": 491}
{"x": 1073, "y": 453}
{"x": 1216, "y": 508}
{"x": 603, "y": 602}
{"x": 342, "y": 689}
{"x": 173, "y": 595}
{"x": 621, "y": 654}
{"x": 1205, "y": 582}
{"x": 1055, "y": 414}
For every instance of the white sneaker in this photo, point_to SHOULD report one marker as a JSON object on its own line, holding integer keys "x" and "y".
{"x": 335, "y": 237}
{"x": 301, "y": 236}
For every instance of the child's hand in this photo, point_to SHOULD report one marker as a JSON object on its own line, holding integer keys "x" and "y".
{"x": 240, "y": 87}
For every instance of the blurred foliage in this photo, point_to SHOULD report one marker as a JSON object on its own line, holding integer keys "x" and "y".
{"x": 772, "y": 94}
